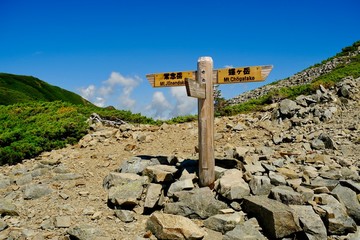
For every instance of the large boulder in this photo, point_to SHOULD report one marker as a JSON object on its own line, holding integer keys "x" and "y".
{"x": 232, "y": 186}
{"x": 8, "y": 208}
{"x": 197, "y": 203}
{"x": 167, "y": 226}
{"x": 224, "y": 222}
{"x": 34, "y": 191}
{"x": 126, "y": 195}
{"x": 276, "y": 219}
{"x": 336, "y": 218}
{"x": 247, "y": 230}
{"x": 349, "y": 199}
{"x": 313, "y": 226}
{"x": 286, "y": 195}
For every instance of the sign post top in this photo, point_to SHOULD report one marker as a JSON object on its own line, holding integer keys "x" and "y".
{"x": 205, "y": 59}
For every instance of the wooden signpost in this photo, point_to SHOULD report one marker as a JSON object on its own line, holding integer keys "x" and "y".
{"x": 199, "y": 84}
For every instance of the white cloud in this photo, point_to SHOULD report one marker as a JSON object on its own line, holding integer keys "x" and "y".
{"x": 117, "y": 86}
{"x": 228, "y": 66}
{"x": 117, "y": 91}
{"x": 88, "y": 92}
{"x": 159, "y": 106}
{"x": 184, "y": 105}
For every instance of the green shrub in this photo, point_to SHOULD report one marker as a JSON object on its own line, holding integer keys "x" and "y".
{"x": 27, "y": 129}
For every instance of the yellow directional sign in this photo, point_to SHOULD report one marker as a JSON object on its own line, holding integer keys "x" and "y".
{"x": 220, "y": 76}
{"x": 172, "y": 79}
{"x": 239, "y": 75}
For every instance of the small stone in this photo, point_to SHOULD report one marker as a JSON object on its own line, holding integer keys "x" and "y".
{"x": 63, "y": 222}
{"x": 125, "y": 215}
{"x": 97, "y": 215}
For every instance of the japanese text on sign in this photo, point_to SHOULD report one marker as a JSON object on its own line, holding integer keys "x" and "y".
{"x": 172, "y": 79}
{"x": 235, "y": 75}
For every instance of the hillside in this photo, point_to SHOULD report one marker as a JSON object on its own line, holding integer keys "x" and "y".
{"x": 20, "y": 89}
{"x": 289, "y": 171}
{"x": 327, "y": 73}
{"x": 299, "y": 158}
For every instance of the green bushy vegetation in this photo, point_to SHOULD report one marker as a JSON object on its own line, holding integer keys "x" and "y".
{"x": 27, "y": 129}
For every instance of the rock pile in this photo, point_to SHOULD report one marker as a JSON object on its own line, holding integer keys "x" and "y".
{"x": 307, "y": 193}
{"x": 290, "y": 172}
{"x": 300, "y": 78}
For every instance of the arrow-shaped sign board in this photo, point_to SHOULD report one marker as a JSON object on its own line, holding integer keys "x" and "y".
{"x": 220, "y": 76}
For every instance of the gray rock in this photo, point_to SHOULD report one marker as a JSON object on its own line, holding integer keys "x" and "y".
{"x": 34, "y": 191}
{"x": 4, "y": 182}
{"x": 336, "y": 220}
{"x": 239, "y": 127}
{"x": 349, "y": 199}
{"x": 118, "y": 179}
{"x": 306, "y": 193}
{"x": 152, "y": 195}
{"x": 39, "y": 172}
{"x": 277, "y": 138}
{"x": 311, "y": 222}
{"x": 240, "y": 152}
{"x": 328, "y": 142}
{"x": 286, "y": 195}
{"x": 137, "y": 165}
{"x": 180, "y": 185}
{"x": 219, "y": 171}
{"x": 351, "y": 184}
{"x": 321, "y": 182}
{"x": 224, "y": 222}
{"x": 7, "y": 208}
{"x": 247, "y": 230}
{"x": 126, "y": 195}
{"x": 3, "y": 225}
{"x": 276, "y": 219}
{"x": 62, "y": 221}
{"x": 67, "y": 176}
{"x": 253, "y": 168}
{"x": 24, "y": 179}
{"x": 211, "y": 234}
{"x": 125, "y": 215}
{"x": 160, "y": 173}
{"x": 61, "y": 169}
{"x": 344, "y": 91}
{"x": 85, "y": 232}
{"x": 197, "y": 203}
{"x": 167, "y": 226}
{"x": 317, "y": 144}
{"x": 288, "y": 107}
{"x": 260, "y": 185}
{"x": 48, "y": 224}
{"x": 231, "y": 185}
{"x": 276, "y": 179}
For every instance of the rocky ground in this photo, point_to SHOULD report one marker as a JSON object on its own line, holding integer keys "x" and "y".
{"x": 296, "y": 160}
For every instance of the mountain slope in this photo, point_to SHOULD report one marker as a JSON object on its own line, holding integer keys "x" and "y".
{"x": 328, "y": 73}
{"x": 18, "y": 89}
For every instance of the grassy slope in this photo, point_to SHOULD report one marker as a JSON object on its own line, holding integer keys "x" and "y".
{"x": 18, "y": 89}
{"x": 327, "y": 80}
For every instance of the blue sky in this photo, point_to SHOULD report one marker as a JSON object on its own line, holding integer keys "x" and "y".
{"x": 103, "y": 49}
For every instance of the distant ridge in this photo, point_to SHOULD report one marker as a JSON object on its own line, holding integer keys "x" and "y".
{"x": 19, "y": 89}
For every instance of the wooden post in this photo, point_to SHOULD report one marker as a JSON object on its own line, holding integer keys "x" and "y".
{"x": 206, "y": 123}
